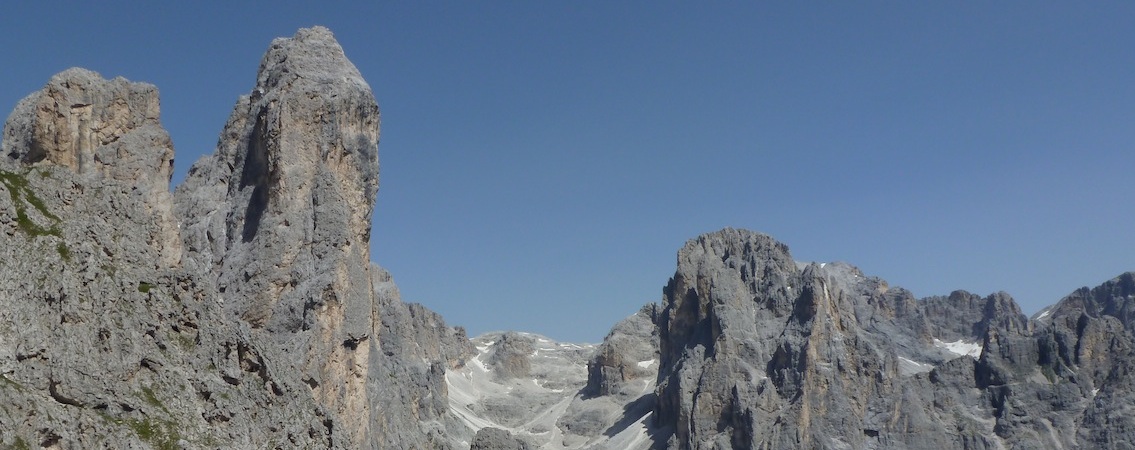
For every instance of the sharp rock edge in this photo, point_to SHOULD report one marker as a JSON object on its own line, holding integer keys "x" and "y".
{"x": 259, "y": 321}
{"x": 243, "y": 311}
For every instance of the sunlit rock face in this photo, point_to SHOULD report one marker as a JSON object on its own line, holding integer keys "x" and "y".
{"x": 103, "y": 130}
{"x": 243, "y": 311}
{"x": 281, "y": 214}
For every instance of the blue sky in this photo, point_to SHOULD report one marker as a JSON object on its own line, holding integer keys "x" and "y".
{"x": 542, "y": 162}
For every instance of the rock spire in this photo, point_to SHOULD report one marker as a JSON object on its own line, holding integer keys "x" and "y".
{"x": 281, "y": 214}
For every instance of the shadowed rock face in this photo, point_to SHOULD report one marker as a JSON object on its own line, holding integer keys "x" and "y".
{"x": 496, "y": 439}
{"x": 761, "y": 352}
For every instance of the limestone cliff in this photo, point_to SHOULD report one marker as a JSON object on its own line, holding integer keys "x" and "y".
{"x": 258, "y": 322}
{"x": 102, "y": 130}
{"x": 280, "y": 215}
{"x": 244, "y": 311}
{"x": 104, "y": 343}
{"x": 761, "y": 352}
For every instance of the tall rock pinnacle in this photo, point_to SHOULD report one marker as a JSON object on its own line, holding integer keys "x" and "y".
{"x": 281, "y": 215}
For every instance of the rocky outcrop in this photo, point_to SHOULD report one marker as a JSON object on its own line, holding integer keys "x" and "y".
{"x": 281, "y": 216}
{"x": 496, "y": 439}
{"x": 628, "y": 353}
{"x": 407, "y": 376}
{"x": 102, "y": 130}
{"x": 269, "y": 327}
{"x": 761, "y": 352}
{"x": 509, "y": 357}
{"x": 104, "y": 344}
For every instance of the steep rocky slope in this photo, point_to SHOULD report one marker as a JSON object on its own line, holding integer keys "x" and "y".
{"x": 759, "y": 351}
{"x": 751, "y": 349}
{"x": 245, "y": 312}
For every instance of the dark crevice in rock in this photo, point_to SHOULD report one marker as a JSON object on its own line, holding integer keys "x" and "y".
{"x": 53, "y": 389}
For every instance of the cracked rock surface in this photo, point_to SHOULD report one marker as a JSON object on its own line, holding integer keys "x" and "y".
{"x": 759, "y": 351}
{"x": 258, "y": 322}
{"x": 244, "y": 311}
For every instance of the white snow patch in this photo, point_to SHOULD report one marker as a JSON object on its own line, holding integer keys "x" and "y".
{"x": 1095, "y": 391}
{"x": 822, "y": 265}
{"x": 1044, "y": 314}
{"x": 910, "y": 366}
{"x": 960, "y": 347}
{"x": 647, "y": 363}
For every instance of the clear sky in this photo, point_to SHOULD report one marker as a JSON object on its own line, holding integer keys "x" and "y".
{"x": 542, "y": 162}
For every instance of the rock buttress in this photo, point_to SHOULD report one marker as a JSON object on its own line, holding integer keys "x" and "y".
{"x": 280, "y": 214}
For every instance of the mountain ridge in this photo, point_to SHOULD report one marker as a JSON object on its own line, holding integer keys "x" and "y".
{"x": 244, "y": 310}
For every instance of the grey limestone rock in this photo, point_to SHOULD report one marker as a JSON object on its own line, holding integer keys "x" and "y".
{"x": 628, "y": 353}
{"x": 280, "y": 215}
{"x": 103, "y": 130}
{"x": 269, "y": 327}
{"x": 509, "y": 357}
{"x": 761, "y": 352}
{"x": 103, "y": 342}
{"x": 407, "y": 376}
{"x": 496, "y": 439}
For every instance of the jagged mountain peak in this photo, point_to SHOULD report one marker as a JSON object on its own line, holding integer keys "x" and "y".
{"x": 257, "y": 321}
{"x": 261, "y": 321}
{"x": 820, "y": 356}
{"x": 312, "y": 55}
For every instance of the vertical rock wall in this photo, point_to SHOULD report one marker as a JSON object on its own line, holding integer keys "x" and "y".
{"x": 260, "y": 321}
{"x": 281, "y": 216}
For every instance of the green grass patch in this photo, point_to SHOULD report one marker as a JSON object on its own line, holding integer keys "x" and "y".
{"x": 22, "y": 196}
{"x": 8, "y": 382}
{"x": 148, "y": 395}
{"x": 185, "y": 342}
{"x": 64, "y": 251}
{"x": 162, "y": 434}
{"x": 20, "y": 444}
{"x": 144, "y": 287}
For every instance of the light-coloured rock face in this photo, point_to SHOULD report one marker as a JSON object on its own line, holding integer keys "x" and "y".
{"x": 269, "y": 328}
{"x": 281, "y": 215}
{"x": 262, "y": 323}
{"x": 92, "y": 125}
{"x": 103, "y": 342}
{"x": 101, "y": 129}
{"x": 628, "y": 353}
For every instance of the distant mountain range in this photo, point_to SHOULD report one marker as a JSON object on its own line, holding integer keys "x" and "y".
{"x": 243, "y": 311}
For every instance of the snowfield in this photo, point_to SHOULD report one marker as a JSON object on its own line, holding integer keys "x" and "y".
{"x": 960, "y": 347}
{"x": 540, "y": 408}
